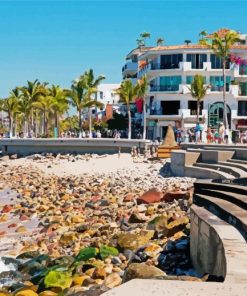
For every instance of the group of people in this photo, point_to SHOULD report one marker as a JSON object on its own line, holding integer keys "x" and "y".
{"x": 198, "y": 135}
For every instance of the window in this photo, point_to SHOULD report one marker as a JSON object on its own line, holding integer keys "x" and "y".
{"x": 216, "y": 62}
{"x": 189, "y": 79}
{"x": 242, "y": 108}
{"x": 243, "y": 88}
{"x": 101, "y": 95}
{"x": 170, "y": 83}
{"x": 170, "y": 107}
{"x": 196, "y": 60}
{"x": 192, "y": 105}
{"x": 170, "y": 61}
{"x": 217, "y": 83}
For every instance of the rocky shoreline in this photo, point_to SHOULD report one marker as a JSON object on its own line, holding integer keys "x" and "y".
{"x": 95, "y": 230}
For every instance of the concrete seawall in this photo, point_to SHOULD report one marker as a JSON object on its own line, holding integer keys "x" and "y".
{"x": 63, "y": 145}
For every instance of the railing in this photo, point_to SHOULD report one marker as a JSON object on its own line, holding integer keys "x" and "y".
{"x": 164, "y": 88}
{"x": 158, "y": 66}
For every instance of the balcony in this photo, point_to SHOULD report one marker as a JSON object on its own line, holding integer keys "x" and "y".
{"x": 129, "y": 68}
{"x": 219, "y": 88}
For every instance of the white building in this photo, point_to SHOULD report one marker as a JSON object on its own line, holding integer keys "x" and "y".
{"x": 170, "y": 70}
{"x": 107, "y": 93}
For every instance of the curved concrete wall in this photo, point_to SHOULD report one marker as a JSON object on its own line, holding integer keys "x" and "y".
{"x": 216, "y": 247}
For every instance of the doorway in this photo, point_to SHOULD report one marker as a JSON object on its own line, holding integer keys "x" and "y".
{"x": 215, "y": 114}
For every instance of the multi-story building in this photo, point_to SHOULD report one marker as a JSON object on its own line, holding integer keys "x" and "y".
{"x": 170, "y": 71}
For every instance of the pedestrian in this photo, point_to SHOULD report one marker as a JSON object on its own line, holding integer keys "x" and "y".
{"x": 221, "y": 132}
{"x": 198, "y": 131}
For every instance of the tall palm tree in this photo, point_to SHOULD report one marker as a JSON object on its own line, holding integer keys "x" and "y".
{"x": 45, "y": 104}
{"x": 92, "y": 85}
{"x": 60, "y": 105}
{"x": 81, "y": 95}
{"x": 140, "y": 42}
{"x": 10, "y": 105}
{"x": 198, "y": 91}
{"x": 128, "y": 93}
{"x": 144, "y": 36}
{"x": 142, "y": 87}
{"x": 160, "y": 41}
{"x": 221, "y": 46}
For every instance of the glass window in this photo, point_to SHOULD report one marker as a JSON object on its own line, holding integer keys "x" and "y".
{"x": 192, "y": 105}
{"x": 101, "y": 95}
{"x": 243, "y": 88}
{"x": 196, "y": 60}
{"x": 217, "y": 83}
{"x": 170, "y": 83}
{"x": 216, "y": 62}
{"x": 242, "y": 108}
{"x": 170, "y": 61}
{"x": 189, "y": 79}
{"x": 170, "y": 107}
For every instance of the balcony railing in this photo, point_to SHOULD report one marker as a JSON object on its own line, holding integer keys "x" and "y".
{"x": 158, "y": 66}
{"x": 164, "y": 88}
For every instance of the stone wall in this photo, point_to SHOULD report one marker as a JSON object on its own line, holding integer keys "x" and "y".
{"x": 30, "y": 146}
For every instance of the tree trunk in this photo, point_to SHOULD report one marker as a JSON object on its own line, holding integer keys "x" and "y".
{"x": 90, "y": 122}
{"x": 198, "y": 111}
{"x": 10, "y": 126}
{"x": 36, "y": 123}
{"x": 225, "y": 119}
{"x": 144, "y": 119}
{"x": 45, "y": 127}
{"x": 129, "y": 131}
{"x": 79, "y": 120}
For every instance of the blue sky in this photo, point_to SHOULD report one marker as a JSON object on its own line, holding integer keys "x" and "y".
{"x": 55, "y": 41}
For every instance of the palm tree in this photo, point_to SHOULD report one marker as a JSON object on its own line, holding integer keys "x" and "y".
{"x": 81, "y": 93}
{"x": 127, "y": 93}
{"x": 140, "y": 42}
{"x": 198, "y": 91}
{"x": 144, "y": 36}
{"x": 142, "y": 87}
{"x": 60, "y": 105}
{"x": 45, "y": 104}
{"x": 187, "y": 42}
{"x": 221, "y": 46}
{"x": 10, "y": 105}
{"x": 160, "y": 41}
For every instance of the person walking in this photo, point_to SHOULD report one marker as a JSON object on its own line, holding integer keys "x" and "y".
{"x": 198, "y": 131}
{"x": 221, "y": 133}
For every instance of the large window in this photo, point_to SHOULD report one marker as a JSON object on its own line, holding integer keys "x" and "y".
{"x": 170, "y": 107}
{"x": 217, "y": 83}
{"x": 189, "y": 79}
{"x": 242, "y": 108}
{"x": 216, "y": 62}
{"x": 170, "y": 83}
{"x": 170, "y": 61}
{"x": 196, "y": 60}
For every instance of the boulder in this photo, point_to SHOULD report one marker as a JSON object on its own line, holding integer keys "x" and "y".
{"x": 142, "y": 271}
{"x": 113, "y": 280}
{"x": 14, "y": 156}
{"x": 134, "y": 241}
{"x": 150, "y": 196}
{"x": 137, "y": 218}
{"x": 4, "y": 158}
{"x": 171, "y": 196}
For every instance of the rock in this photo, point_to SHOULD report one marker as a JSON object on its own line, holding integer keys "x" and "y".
{"x": 7, "y": 209}
{"x": 21, "y": 229}
{"x": 133, "y": 241}
{"x": 129, "y": 197}
{"x": 14, "y": 156}
{"x": 151, "y": 196}
{"x": 171, "y": 196}
{"x": 4, "y": 158}
{"x": 142, "y": 271}
{"x": 68, "y": 238}
{"x": 99, "y": 273}
{"x": 113, "y": 280}
{"x": 137, "y": 218}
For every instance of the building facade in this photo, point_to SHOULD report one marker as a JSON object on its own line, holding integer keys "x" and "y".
{"x": 170, "y": 71}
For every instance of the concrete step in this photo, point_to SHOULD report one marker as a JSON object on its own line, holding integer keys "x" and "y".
{"x": 237, "y": 165}
{"x": 238, "y": 199}
{"x": 225, "y": 210}
{"x": 232, "y": 186}
{"x": 240, "y": 161}
{"x": 206, "y": 173}
{"x": 237, "y": 173}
